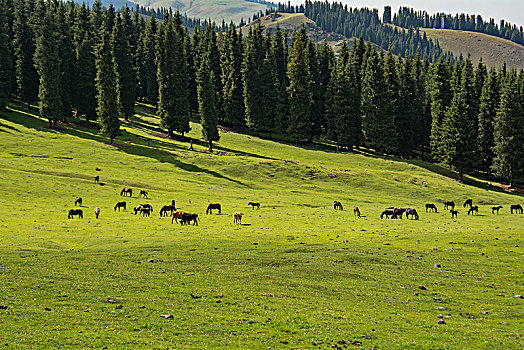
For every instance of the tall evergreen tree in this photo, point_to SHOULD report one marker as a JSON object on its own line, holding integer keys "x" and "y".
{"x": 191, "y": 72}
{"x": 47, "y": 64}
{"x": 440, "y": 97}
{"x": 65, "y": 16}
{"x": 508, "y": 149}
{"x": 5, "y": 60}
{"x": 278, "y": 56}
{"x": 173, "y": 105}
{"x": 148, "y": 72}
{"x": 24, "y": 50}
{"x": 106, "y": 79}
{"x": 408, "y": 108}
{"x": 299, "y": 90}
{"x": 207, "y": 101}
{"x": 122, "y": 51}
{"x": 232, "y": 78}
{"x": 489, "y": 102}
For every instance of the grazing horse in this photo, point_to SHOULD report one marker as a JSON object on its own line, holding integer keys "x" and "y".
{"x": 254, "y": 204}
{"x": 449, "y": 204}
{"x": 468, "y": 203}
{"x": 411, "y": 212}
{"x": 126, "y": 191}
{"x": 388, "y": 213}
{"x": 97, "y": 179}
{"x": 338, "y": 205}
{"x": 430, "y": 207}
{"x": 97, "y": 212}
{"x": 177, "y": 215}
{"x": 356, "y": 211}
{"x": 120, "y": 205}
{"x": 237, "y": 218}
{"x": 167, "y": 208}
{"x": 141, "y": 206}
{"x": 454, "y": 213}
{"x": 78, "y": 200}
{"x": 212, "y": 206}
{"x": 474, "y": 209}
{"x": 187, "y": 218}
{"x": 496, "y": 209}
{"x": 143, "y": 193}
{"x": 516, "y": 207}
{"x": 145, "y": 211}
{"x": 74, "y": 212}
{"x": 398, "y": 212}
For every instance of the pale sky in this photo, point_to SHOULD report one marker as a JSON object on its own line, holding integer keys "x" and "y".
{"x": 510, "y": 10}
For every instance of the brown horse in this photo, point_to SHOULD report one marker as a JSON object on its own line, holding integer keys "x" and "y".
{"x": 517, "y": 208}
{"x": 120, "y": 205}
{"x": 254, "y": 204}
{"x": 468, "y": 203}
{"x": 167, "y": 208}
{"x": 177, "y": 215}
{"x": 474, "y": 210}
{"x": 78, "y": 200}
{"x": 430, "y": 207}
{"x": 356, "y": 211}
{"x": 454, "y": 213}
{"x": 126, "y": 191}
{"x": 212, "y": 206}
{"x": 74, "y": 212}
{"x": 449, "y": 204}
{"x": 237, "y": 218}
{"x": 496, "y": 209}
{"x": 143, "y": 193}
{"x": 187, "y": 218}
{"x": 337, "y": 205}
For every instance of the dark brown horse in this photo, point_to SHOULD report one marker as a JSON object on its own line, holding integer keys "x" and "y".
{"x": 449, "y": 204}
{"x": 143, "y": 194}
{"x": 337, "y": 205}
{"x": 120, "y": 205}
{"x": 398, "y": 213}
{"x": 356, "y": 211}
{"x": 187, "y": 218}
{"x": 97, "y": 179}
{"x": 468, "y": 203}
{"x": 474, "y": 210}
{"x": 254, "y": 204}
{"x": 430, "y": 207}
{"x": 145, "y": 211}
{"x": 126, "y": 191}
{"x": 167, "y": 208}
{"x": 387, "y": 213}
{"x": 517, "y": 208}
{"x": 454, "y": 213}
{"x": 78, "y": 200}
{"x": 411, "y": 212}
{"x": 212, "y": 206}
{"x": 496, "y": 209}
{"x": 74, "y": 212}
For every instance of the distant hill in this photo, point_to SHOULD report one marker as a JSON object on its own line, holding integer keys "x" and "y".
{"x": 493, "y": 50}
{"x": 217, "y": 10}
{"x": 291, "y": 21}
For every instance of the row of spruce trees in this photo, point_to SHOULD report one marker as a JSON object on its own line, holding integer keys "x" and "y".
{"x": 97, "y": 62}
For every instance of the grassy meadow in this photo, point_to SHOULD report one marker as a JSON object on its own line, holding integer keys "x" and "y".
{"x": 296, "y": 274}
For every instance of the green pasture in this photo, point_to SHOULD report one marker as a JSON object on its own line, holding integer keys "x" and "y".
{"x": 296, "y": 274}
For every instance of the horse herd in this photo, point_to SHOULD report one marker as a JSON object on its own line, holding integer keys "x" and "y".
{"x": 168, "y": 209}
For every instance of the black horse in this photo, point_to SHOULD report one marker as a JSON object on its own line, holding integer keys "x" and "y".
{"x": 337, "y": 205}
{"x": 496, "y": 209}
{"x": 78, "y": 200}
{"x": 430, "y": 207}
{"x": 411, "y": 212}
{"x": 126, "y": 191}
{"x": 167, "y": 208}
{"x": 517, "y": 208}
{"x": 97, "y": 179}
{"x": 139, "y": 208}
{"x": 120, "y": 205}
{"x": 468, "y": 203}
{"x": 254, "y": 204}
{"x": 74, "y": 212}
{"x": 387, "y": 213}
{"x": 449, "y": 204}
{"x": 187, "y": 218}
{"x": 143, "y": 193}
{"x": 474, "y": 210}
{"x": 212, "y": 206}
{"x": 145, "y": 211}
{"x": 397, "y": 212}
{"x": 454, "y": 213}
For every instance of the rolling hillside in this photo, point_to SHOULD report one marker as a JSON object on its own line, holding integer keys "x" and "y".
{"x": 291, "y": 21}
{"x": 493, "y": 50}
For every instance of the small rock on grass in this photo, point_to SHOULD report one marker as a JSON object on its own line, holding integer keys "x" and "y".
{"x": 437, "y": 265}
{"x": 167, "y": 316}
{"x": 518, "y": 296}
{"x": 284, "y": 342}
{"x": 47, "y": 309}
{"x": 441, "y": 322}
{"x": 422, "y": 287}
{"x": 3, "y": 307}
{"x": 441, "y": 308}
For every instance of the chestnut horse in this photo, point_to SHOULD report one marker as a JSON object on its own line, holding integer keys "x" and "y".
{"x": 125, "y": 191}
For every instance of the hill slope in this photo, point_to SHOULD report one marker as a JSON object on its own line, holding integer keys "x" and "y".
{"x": 494, "y": 51}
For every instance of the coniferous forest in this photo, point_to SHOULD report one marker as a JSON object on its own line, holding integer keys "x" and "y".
{"x": 394, "y": 92}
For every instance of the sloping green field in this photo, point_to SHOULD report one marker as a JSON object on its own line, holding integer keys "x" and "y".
{"x": 296, "y": 274}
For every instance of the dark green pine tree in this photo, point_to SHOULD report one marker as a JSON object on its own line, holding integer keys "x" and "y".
{"x": 379, "y": 128}
{"x": 123, "y": 53}
{"x": 5, "y": 60}
{"x": 191, "y": 72}
{"x": 207, "y": 101}
{"x": 47, "y": 64}
{"x": 278, "y": 56}
{"x": 458, "y": 138}
{"x": 65, "y": 17}
{"x": 408, "y": 108}
{"x": 423, "y": 111}
{"x": 173, "y": 105}
{"x": 317, "y": 101}
{"x": 232, "y": 78}
{"x": 148, "y": 73}
{"x": 440, "y": 95}
{"x": 299, "y": 91}
{"x": 508, "y": 161}
{"x": 252, "y": 72}
{"x": 393, "y": 86}
{"x": 211, "y": 48}
{"x": 106, "y": 81}
{"x": 24, "y": 51}
{"x": 489, "y": 102}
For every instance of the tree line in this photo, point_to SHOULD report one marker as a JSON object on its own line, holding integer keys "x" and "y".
{"x": 409, "y": 18}
{"x": 96, "y": 63}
